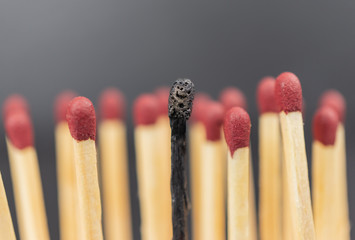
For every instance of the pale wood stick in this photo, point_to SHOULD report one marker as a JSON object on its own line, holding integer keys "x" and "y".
{"x": 212, "y": 189}
{"x": 163, "y": 138}
{"x": 67, "y": 187}
{"x": 297, "y": 174}
{"x": 88, "y": 189}
{"x": 197, "y": 136}
{"x": 115, "y": 180}
{"x": 323, "y": 163}
{"x": 287, "y": 233}
{"x": 253, "y": 234}
{"x": 270, "y": 177}
{"x": 341, "y": 193}
{"x": 6, "y": 227}
{"x": 28, "y": 193}
{"x": 148, "y": 185}
{"x": 238, "y": 194}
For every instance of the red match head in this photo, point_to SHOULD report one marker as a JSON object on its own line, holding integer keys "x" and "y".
{"x": 146, "y": 110}
{"x": 14, "y": 103}
{"x": 19, "y": 130}
{"x": 112, "y": 104}
{"x": 236, "y": 128}
{"x": 213, "y": 120}
{"x": 81, "y": 119}
{"x": 232, "y": 97}
{"x": 61, "y": 104}
{"x": 163, "y": 98}
{"x": 200, "y": 101}
{"x": 266, "y": 96}
{"x": 288, "y": 92}
{"x": 335, "y": 100}
{"x": 325, "y": 124}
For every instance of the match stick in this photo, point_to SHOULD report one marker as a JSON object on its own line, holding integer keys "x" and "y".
{"x": 233, "y": 97}
{"x": 25, "y": 173}
{"x": 289, "y": 97}
{"x": 6, "y": 227}
{"x": 114, "y": 166}
{"x": 197, "y": 136}
{"x": 146, "y": 111}
{"x": 237, "y": 134}
{"x": 82, "y": 125}
{"x": 180, "y": 107}
{"x": 324, "y": 158}
{"x": 336, "y": 101}
{"x": 163, "y": 139}
{"x": 213, "y": 175}
{"x": 67, "y": 186}
{"x": 270, "y": 205}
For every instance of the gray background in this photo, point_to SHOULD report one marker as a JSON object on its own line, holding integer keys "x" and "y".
{"x": 86, "y": 45}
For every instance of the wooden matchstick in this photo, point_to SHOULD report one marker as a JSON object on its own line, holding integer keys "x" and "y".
{"x": 82, "y": 125}
{"x": 325, "y": 124}
{"x": 114, "y": 166}
{"x": 213, "y": 175}
{"x": 164, "y": 152}
{"x": 336, "y": 101}
{"x": 289, "y": 97}
{"x": 67, "y": 186}
{"x": 270, "y": 180}
{"x": 146, "y": 111}
{"x": 237, "y": 134}
{"x": 196, "y": 135}
{"x": 25, "y": 175}
{"x": 180, "y": 107}
{"x": 6, "y": 227}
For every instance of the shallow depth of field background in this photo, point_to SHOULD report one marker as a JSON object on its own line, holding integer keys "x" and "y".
{"x": 47, "y": 46}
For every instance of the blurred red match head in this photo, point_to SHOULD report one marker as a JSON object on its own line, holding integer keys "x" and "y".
{"x": 325, "y": 124}
{"x": 146, "y": 109}
{"x": 335, "y": 100}
{"x": 288, "y": 92}
{"x": 81, "y": 119}
{"x": 19, "y": 130}
{"x": 14, "y": 103}
{"x": 61, "y": 104}
{"x": 236, "y": 128}
{"x": 163, "y": 98}
{"x": 266, "y": 96}
{"x": 232, "y": 97}
{"x": 213, "y": 120}
{"x": 112, "y": 104}
{"x": 198, "y": 110}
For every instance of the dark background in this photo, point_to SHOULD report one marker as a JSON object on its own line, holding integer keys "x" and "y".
{"x": 50, "y": 45}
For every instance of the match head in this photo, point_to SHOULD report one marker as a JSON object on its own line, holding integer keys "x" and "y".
{"x": 112, "y": 104}
{"x": 236, "y": 128}
{"x": 146, "y": 110}
{"x": 232, "y": 97}
{"x": 61, "y": 104}
{"x": 200, "y": 101}
{"x": 335, "y": 100}
{"x": 213, "y": 120}
{"x": 288, "y": 93}
{"x": 325, "y": 124}
{"x": 19, "y": 130}
{"x": 181, "y": 98}
{"x": 163, "y": 97}
{"x": 266, "y": 96}
{"x": 81, "y": 119}
{"x": 14, "y": 103}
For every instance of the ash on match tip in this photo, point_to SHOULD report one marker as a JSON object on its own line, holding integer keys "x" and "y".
{"x": 181, "y": 98}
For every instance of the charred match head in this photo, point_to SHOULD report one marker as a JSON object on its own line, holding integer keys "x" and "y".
{"x": 325, "y": 124}
{"x": 81, "y": 119}
{"x": 181, "y": 98}
{"x": 288, "y": 92}
{"x": 61, "y": 104}
{"x": 334, "y": 100}
{"x": 112, "y": 104}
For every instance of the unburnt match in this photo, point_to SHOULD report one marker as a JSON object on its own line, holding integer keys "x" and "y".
{"x": 6, "y": 227}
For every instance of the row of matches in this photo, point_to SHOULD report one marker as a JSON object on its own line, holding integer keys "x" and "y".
{"x": 221, "y": 175}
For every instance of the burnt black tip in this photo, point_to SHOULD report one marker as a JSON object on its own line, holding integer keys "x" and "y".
{"x": 181, "y": 98}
